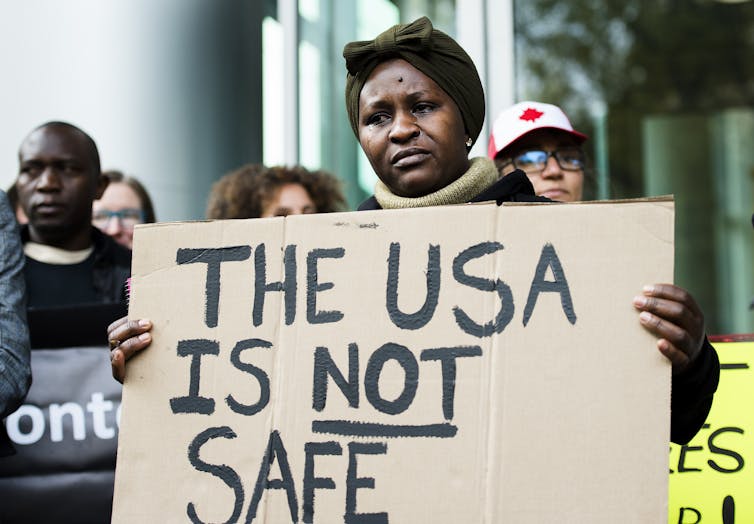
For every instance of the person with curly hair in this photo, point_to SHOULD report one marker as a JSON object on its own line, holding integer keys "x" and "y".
{"x": 254, "y": 191}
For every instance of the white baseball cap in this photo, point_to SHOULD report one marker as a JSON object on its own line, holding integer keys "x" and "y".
{"x": 525, "y": 117}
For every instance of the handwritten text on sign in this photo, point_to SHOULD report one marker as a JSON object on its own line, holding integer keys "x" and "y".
{"x": 405, "y": 366}
{"x": 318, "y": 281}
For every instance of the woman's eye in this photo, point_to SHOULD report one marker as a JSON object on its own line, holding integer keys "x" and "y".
{"x": 423, "y": 107}
{"x": 376, "y": 119}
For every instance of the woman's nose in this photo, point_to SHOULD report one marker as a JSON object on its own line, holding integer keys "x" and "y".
{"x": 552, "y": 168}
{"x": 113, "y": 226}
{"x": 404, "y": 127}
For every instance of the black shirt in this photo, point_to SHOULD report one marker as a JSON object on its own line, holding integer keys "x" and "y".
{"x": 53, "y": 285}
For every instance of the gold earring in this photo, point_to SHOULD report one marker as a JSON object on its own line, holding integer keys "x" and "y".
{"x": 469, "y": 141}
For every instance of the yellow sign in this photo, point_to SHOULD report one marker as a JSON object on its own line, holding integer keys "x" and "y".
{"x": 712, "y": 477}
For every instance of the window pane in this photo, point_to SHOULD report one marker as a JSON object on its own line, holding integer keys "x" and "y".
{"x": 272, "y": 78}
{"x": 666, "y": 92}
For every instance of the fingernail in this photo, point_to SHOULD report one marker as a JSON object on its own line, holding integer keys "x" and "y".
{"x": 649, "y": 289}
{"x": 144, "y": 337}
{"x": 645, "y": 317}
{"x": 640, "y": 301}
{"x": 144, "y": 323}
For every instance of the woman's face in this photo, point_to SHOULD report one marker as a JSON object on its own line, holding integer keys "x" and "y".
{"x": 551, "y": 180}
{"x": 411, "y": 131}
{"x": 291, "y": 199}
{"x": 117, "y": 212}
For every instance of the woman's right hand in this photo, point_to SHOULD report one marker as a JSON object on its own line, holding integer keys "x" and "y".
{"x": 126, "y": 338}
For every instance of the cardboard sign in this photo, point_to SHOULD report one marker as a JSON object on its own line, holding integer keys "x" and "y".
{"x": 460, "y": 364}
{"x": 711, "y": 478}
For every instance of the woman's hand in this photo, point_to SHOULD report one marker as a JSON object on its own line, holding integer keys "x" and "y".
{"x": 126, "y": 338}
{"x": 672, "y": 314}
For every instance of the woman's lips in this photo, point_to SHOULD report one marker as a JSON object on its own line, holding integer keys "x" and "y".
{"x": 553, "y": 194}
{"x": 409, "y": 157}
{"x": 411, "y": 160}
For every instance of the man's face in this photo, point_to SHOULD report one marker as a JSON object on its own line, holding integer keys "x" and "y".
{"x": 57, "y": 181}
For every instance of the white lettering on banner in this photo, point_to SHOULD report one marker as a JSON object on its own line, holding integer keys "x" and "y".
{"x": 57, "y": 412}
{"x": 24, "y": 433}
{"x": 98, "y": 407}
{"x": 37, "y": 425}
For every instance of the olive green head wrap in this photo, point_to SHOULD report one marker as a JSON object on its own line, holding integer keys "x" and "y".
{"x": 430, "y": 51}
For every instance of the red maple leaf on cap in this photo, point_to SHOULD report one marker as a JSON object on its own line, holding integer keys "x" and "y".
{"x": 530, "y": 115}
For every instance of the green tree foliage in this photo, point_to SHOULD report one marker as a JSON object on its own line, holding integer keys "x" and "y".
{"x": 639, "y": 57}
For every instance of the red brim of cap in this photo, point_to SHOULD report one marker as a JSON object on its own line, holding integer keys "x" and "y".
{"x": 493, "y": 151}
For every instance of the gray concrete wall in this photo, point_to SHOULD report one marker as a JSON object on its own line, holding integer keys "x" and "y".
{"x": 170, "y": 90}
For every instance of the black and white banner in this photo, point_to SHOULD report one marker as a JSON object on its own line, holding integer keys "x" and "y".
{"x": 65, "y": 433}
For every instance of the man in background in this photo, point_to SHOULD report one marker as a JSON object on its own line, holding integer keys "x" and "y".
{"x": 66, "y": 432}
{"x": 68, "y": 260}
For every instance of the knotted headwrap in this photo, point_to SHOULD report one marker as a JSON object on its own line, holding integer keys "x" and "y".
{"x": 430, "y": 51}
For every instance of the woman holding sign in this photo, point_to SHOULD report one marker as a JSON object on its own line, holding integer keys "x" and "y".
{"x": 416, "y": 105}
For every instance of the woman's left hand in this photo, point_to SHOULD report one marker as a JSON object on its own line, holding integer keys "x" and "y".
{"x": 672, "y": 314}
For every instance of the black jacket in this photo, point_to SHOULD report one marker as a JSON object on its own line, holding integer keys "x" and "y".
{"x": 112, "y": 266}
{"x": 691, "y": 392}
{"x": 72, "y": 477}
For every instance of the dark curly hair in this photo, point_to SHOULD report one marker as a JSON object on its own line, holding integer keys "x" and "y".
{"x": 245, "y": 192}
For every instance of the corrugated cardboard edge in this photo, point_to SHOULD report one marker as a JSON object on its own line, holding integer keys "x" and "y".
{"x": 662, "y": 198}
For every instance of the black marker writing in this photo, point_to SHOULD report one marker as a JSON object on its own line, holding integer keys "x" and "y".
{"x": 549, "y": 258}
{"x": 354, "y": 482}
{"x": 377, "y": 360}
{"x": 421, "y": 317}
{"x": 314, "y": 286}
{"x": 312, "y": 482}
{"x": 193, "y": 402}
{"x": 259, "y": 374}
{"x": 213, "y": 258}
{"x": 324, "y": 366}
{"x": 262, "y": 287}
{"x": 502, "y": 289}
{"x": 223, "y": 472}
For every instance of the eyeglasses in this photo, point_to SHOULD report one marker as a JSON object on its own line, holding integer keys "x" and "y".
{"x": 535, "y": 160}
{"x": 128, "y": 218}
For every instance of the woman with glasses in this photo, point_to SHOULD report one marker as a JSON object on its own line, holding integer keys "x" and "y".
{"x": 124, "y": 204}
{"x": 540, "y": 140}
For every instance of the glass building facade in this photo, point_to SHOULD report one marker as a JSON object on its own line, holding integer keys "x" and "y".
{"x": 664, "y": 89}
{"x": 179, "y": 92}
